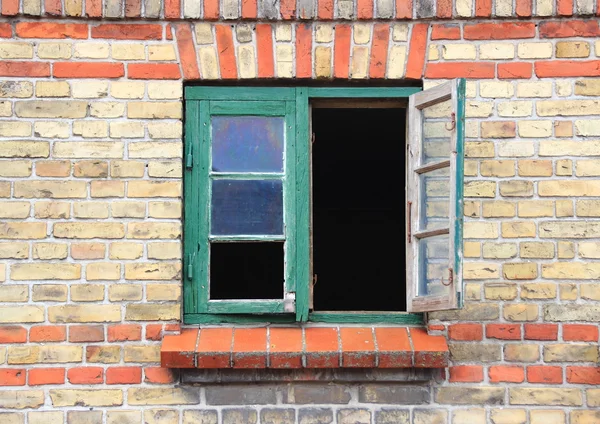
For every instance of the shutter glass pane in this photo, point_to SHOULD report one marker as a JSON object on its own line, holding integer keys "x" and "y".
{"x": 247, "y": 143}
{"x": 434, "y": 199}
{"x": 433, "y": 266}
{"x": 247, "y": 207}
{"x": 436, "y": 122}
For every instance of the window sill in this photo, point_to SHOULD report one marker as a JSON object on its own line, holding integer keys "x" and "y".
{"x": 310, "y": 347}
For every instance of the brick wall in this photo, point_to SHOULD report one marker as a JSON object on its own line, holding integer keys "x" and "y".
{"x": 90, "y": 180}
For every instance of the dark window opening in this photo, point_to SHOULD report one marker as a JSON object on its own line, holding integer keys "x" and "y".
{"x": 358, "y": 168}
{"x": 246, "y": 270}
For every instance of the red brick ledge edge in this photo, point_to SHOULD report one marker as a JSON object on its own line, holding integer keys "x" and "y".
{"x": 309, "y": 347}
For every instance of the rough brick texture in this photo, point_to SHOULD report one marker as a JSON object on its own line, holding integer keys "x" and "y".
{"x": 90, "y": 223}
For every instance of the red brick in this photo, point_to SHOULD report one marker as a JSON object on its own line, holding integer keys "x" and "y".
{"x": 12, "y": 377}
{"x": 445, "y": 32}
{"x": 358, "y": 347}
{"x": 24, "y": 69}
{"x": 85, "y": 375}
{"x": 506, "y": 374}
{"x": 567, "y": 68}
{"x": 173, "y": 328}
{"x": 159, "y": 375}
{"x": 379, "y": 50}
{"x": 177, "y": 351}
{"x": 264, "y": 47}
{"x": 172, "y": 9}
{"x": 86, "y": 333}
{"x": 226, "y": 51}
{"x": 564, "y": 7}
{"x": 393, "y": 347}
{"x": 325, "y": 9}
{"x": 285, "y": 349}
{"x": 580, "y": 333}
{"x": 51, "y": 30}
{"x": 124, "y": 332}
{"x": 211, "y": 10}
{"x": 465, "y": 332}
{"x": 503, "y": 331}
{"x": 523, "y": 8}
{"x": 541, "y": 331}
{"x": 128, "y": 31}
{"x": 154, "y": 332}
{"x": 364, "y": 9}
{"x": 430, "y": 351}
{"x": 287, "y": 8}
{"x": 13, "y": 334}
{"x": 249, "y": 348}
{"x": 5, "y": 31}
{"x": 88, "y": 70}
{"x": 124, "y": 375}
{"x": 564, "y": 29}
{"x": 343, "y": 40}
{"x": 47, "y": 333}
{"x": 542, "y": 374}
{"x": 583, "y": 375}
{"x": 303, "y": 51}
{"x": 436, "y": 327}
{"x": 416, "y": 55}
{"x": 444, "y": 8}
{"x": 404, "y": 9}
{"x": 10, "y": 7}
{"x": 93, "y": 8}
{"x": 483, "y": 8}
{"x": 41, "y": 376}
{"x": 53, "y": 7}
{"x": 187, "y": 52}
{"x": 155, "y": 71}
{"x": 249, "y": 9}
{"x": 499, "y": 31}
{"x": 214, "y": 348}
{"x": 322, "y": 347}
{"x": 460, "y": 69}
{"x": 466, "y": 374}
{"x": 514, "y": 70}
{"x": 133, "y": 8}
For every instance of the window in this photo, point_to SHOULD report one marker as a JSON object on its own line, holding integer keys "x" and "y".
{"x": 321, "y": 204}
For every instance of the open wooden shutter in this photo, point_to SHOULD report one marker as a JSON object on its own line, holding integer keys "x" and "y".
{"x": 434, "y": 195}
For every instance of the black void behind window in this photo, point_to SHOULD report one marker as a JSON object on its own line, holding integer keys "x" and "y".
{"x": 358, "y": 193}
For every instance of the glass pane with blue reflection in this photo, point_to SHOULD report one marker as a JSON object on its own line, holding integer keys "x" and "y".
{"x": 247, "y": 143}
{"x": 247, "y": 207}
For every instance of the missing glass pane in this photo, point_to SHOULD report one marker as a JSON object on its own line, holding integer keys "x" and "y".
{"x": 246, "y": 270}
{"x": 358, "y": 209}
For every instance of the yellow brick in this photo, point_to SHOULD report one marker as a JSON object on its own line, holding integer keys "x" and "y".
{"x": 535, "y": 208}
{"x": 83, "y": 149}
{"x": 500, "y": 291}
{"x": 159, "y": 396}
{"x": 91, "y": 169}
{"x": 21, "y": 314}
{"x": 24, "y": 149}
{"x": 545, "y": 396}
{"x": 160, "y": 250}
{"x": 15, "y": 129}
{"x": 53, "y": 168}
{"x": 480, "y": 271}
{"x": 87, "y": 293}
{"x": 16, "y": 51}
{"x": 90, "y": 210}
{"x": 164, "y": 210}
{"x": 564, "y": 88}
{"x": 497, "y": 168}
{"x": 433, "y": 53}
{"x": 50, "y": 189}
{"x": 569, "y": 148}
{"x": 585, "y": 417}
{"x": 103, "y": 354}
{"x": 87, "y": 250}
{"x": 589, "y": 250}
{"x": 535, "y": 50}
{"x": 89, "y": 89}
{"x": 534, "y": 89}
{"x": 209, "y": 67}
{"x": 568, "y": 107}
{"x": 538, "y": 291}
{"x": 165, "y": 169}
{"x": 516, "y": 188}
{"x": 572, "y": 352}
{"x": 128, "y": 209}
{"x": 14, "y": 209}
{"x": 103, "y": 271}
{"x": 508, "y": 416}
{"x": 90, "y": 129}
{"x": 50, "y": 109}
{"x": 563, "y": 129}
{"x": 161, "y": 52}
{"x": 542, "y": 250}
{"x": 52, "y": 210}
{"x": 587, "y": 127}
{"x": 86, "y": 398}
{"x": 593, "y": 397}
{"x": 153, "y": 230}
{"x": 498, "y": 129}
{"x": 127, "y": 89}
{"x": 499, "y": 250}
{"x": 45, "y": 271}
{"x": 151, "y": 150}
{"x": 547, "y": 417}
{"x": 110, "y": 230}
{"x": 154, "y": 189}
{"x": 153, "y": 271}
{"x": 566, "y": 250}
{"x": 564, "y": 208}
{"x": 84, "y": 313}
{"x": 14, "y": 250}
{"x": 480, "y": 189}
{"x": 163, "y": 292}
{"x": 516, "y": 229}
{"x": 496, "y": 89}
{"x": 476, "y": 109}
{"x": 511, "y": 109}
{"x": 154, "y": 110}
{"x": 283, "y": 32}
{"x": 519, "y": 271}
{"x": 142, "y": 353}
{"x": 125, "y": 250}
{"x": 128, "y": 129}
{"x": 54, "y": 50}
{"x": 459, "y": 51}
{"x": 45, "y": 417}
{"x": 91, "y": 50}
{"x": 246, "y": 61}
{"x": 360, "y": 59}
{"x": 44, "y": 354}
{"x": 49, "y": 292}
{"x": 127, "y": 169}
{"x": 496, "y": 51}
{"x": 515, "y": 149}
{"x": 52, "y": 89}
{"x": 587, "y": 87}
{"x": 107, "y": 188}
{"x": 571, "y": 270}
{"x": 14, "y": 292}
{"x": 361, "y": 33}
{"x": 587, "y": 168}
{"x": 497, "y": 209}
{"x": 322, "y": 62}
{"x": 535, "y": 129}
{"x": 128, "y": 51}
{"x": 16, "y": 89}
{"x": 521, "y": 352}
{"x": 15, "y": 168}
{"x": 472, "y": 209}
{"x": 569, "y": 188}
{"x": 50, "y": 251}
{"x": 471, "y": 249}
{"x": 564, "y": 167}
{"x": 51, "y": 129}
{"x": 572, "y": 49}
{"x": 107, "y": 109}
{"x": 168, "y": 130}
{"x": 479, "y": 149}
{"x": 468, "y": 416}
{"x": 590, "y": 291}
{"x": 124, "y": 292}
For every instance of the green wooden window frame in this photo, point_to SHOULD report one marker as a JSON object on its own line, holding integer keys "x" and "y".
{"x": 293, "y": 104}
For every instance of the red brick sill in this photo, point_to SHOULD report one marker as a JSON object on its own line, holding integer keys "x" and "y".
{"x": 304, "y": 347}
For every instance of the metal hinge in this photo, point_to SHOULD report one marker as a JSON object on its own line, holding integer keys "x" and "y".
{"x": 450, "y": 278}
{"x": 190, "y": 266}
{"x": 189, "y": 158}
